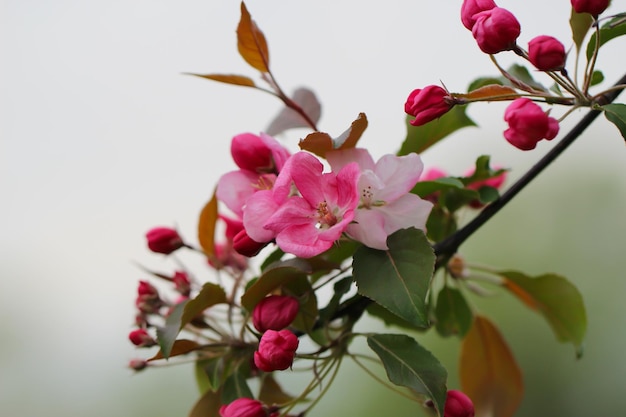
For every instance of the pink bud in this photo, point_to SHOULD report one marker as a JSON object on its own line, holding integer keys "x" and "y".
{"x": 251, "y": 153}
{"x": 428, "y": 104}
{"x": 472, "y": 7}
{"x": 164, "y": 240}
{"x": 243, "y": 407}
{"x": 593, "y": 7}
{"x": 433, "y": 174}
{"x": 148, "y": 300}
{"x": 246, "y": 246}
{"x": 182, "y": 283}
{"x": 276, "y": 350}
{"x": 138, "y": 364}
{"x": 233, "y": 226}
{"x": 458, "y": 405}
{"x": 528, "y": 124}
{"x": 275, "y": 312}
{"x": 546, "y": 53}
{"x": 495, "y": 182}
{"x": 141, "y": 338}
{"x": 495, "y": 30}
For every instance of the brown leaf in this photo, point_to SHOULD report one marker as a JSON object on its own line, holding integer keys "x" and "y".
{"x": 319, "y": 143}
{"x": 289, "y": 118}
{"x": 206, "y": 226}
{"x": 271, "y": 393}
{"x": 181, "y": 347}
{"x": 208, "y": 405}
{"x": 228, "y": 79}
{"x": 491, "y": 92}
{"x": 488, "y": 371}
{"x": 251, "y": 42}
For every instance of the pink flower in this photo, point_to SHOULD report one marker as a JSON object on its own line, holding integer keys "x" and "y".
{"x": 471, "y": 7}
{"x": 164, "y": 240}
{"x": 386, "y": 204}
{"x": 528, "y": 124}
{"x": 495, "y": 30}
{"x": 593, "y": 7}
{"x": 458, "y": 405}
{"x": 276, "y": 350}
{"x": 141, "y": 338}
{"x": 275, "y": 312}
{"x": 307, "y": 224}
{"x": 428, "y": 104}
{"x": 546, "y": 53}
{"x": 260, "y": 159}
{"x": 243, "y": 407}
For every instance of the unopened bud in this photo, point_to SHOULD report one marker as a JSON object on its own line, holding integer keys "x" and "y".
{"x": 181, "y": 282}
{"x": 457, "y": 267}
{"x": 141, "y": 338}
{"x": 164, "y": 240}
{"x": 276, "y": 350}
{"x": 138, "y": 364}
{"x": 275, "y": 312}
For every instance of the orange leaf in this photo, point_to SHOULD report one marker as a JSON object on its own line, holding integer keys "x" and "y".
{"x": 181, "y": 347}
{"x": 491, "y": 92}
{"x": 319, "y": 143}
{"x": 206, "y": 226}
{"x": 228, "y": 79}
{"x": 251, "y": 42}
{"x": 488, "y": 371}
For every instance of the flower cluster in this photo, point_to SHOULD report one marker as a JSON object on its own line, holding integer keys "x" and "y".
{"x": 301, "y": 244}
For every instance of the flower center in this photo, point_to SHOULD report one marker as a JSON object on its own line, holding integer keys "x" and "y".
{"x": 325, "y": 217}
{"x": 367, "y": 199}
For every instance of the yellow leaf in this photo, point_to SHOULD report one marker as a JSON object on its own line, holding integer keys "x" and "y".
{"x": 229, "y": 79}
{"x": 251, "y": 42}
{"x": 206, "y": 226}
{"x": 488, "y": 371}
{"x": 491, "y": 92}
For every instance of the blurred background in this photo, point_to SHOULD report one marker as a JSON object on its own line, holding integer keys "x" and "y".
{"x": 103, "y": 137}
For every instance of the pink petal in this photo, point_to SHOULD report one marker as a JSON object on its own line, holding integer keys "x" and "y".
{"x": 369, "y": 228}
{"x": 259, "y": 208}
{"x": 399, "y": 174}
{"x": 233, "y": 188}
{"x": 339, "y": 159}
{"x": 407, "y": 211}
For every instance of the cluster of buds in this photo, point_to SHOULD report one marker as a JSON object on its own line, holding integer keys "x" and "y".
{"x": 497, "y": 30}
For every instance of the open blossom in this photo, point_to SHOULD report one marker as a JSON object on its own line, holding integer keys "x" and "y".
{"x": 385, "y": 202}
{"x": 276, "y": 350}
{"x": 593, "y": 7}
{"x": 260, "y": 158}
{"x": 309, "y": 223}
{"x": 546, "y": 53}
{"x": 495, "y": 30}
{"x": 471, "y": 8}
{"x": 528, "y": 124}
{"x": 428, "y": 103}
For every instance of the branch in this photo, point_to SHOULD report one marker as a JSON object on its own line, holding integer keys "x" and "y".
{"x": 450, "y": 245}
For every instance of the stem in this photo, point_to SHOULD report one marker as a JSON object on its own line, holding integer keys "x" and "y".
{"x": 450, "y": 245}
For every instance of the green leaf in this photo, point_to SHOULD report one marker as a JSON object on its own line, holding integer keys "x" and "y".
{"x": 408, "y": 364}
{"x": 209, "y": 295}
{"x": 166, "y": 335}
{"x": 580, "y": 24}
{"x": 553, "y": 297}
{"x": 596, "y": 78}
{"x": 210, "y": 373}
{"x": 235, "y": 387}
{"x": 440, "y": 224}
{"x": 207, "y": 406}
{"x": 340, "y": 289}
{"x": 420, "y": 138}
{"x": 616, "y": 114}
{"x": 521, "y": 73}
{"x": 273, "y": 277}
{"x": 398, "y": 278}
{"x": 611, "y": 30}
{"x": 454, "y": 316}
{"x": 180, "y": 347}
{"x": 488, "y": 371}
{"x": 390, "y": 319}
{"x": 426, "y": 188}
